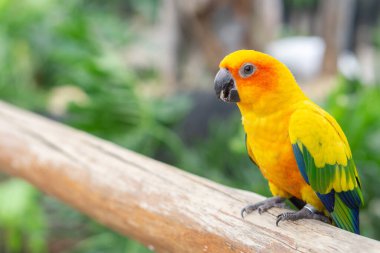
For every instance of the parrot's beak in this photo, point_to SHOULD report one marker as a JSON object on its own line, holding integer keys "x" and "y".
{"x": 225, "y": 87}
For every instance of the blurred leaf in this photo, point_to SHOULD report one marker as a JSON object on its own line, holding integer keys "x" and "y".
{"x": 18, "y": 203}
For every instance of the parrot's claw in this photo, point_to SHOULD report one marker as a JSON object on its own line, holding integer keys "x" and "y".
{"x": 308, "y": 212}
{"x": 263, "y": 206}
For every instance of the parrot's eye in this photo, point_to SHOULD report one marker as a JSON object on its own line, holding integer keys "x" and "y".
{"x": 247, "y": 70}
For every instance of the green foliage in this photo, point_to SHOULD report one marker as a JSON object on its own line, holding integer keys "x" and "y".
{"x": 300, "y": 4}
{"x": 118, "y": 114}
{"x": 22, "y": 218}
{"x": 107, "y": 241}
{"x": 79, "y": 234}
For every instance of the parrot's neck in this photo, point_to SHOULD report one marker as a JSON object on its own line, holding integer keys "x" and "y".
{"x": 274, "y": 102}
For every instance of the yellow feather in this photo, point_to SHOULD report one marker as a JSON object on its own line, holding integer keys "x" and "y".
{"x": 337, "y": 186}
{"x": 343, "y": 178}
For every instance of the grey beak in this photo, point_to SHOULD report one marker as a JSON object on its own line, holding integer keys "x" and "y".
{"x": 225, "y": 87}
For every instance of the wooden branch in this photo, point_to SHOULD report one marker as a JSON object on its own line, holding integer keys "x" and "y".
{"x": 167, "y": 209}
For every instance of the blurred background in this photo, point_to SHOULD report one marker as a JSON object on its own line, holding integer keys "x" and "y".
{"x": 140, "y": 74}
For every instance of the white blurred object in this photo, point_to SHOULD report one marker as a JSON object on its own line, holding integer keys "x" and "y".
{"x": 302, "y": 55}
{"x": 61, "y": 97}
{"x": 348, "y": 65}
{"x": 367, "y": 61}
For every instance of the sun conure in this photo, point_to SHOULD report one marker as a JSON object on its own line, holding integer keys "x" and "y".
{"x": 299, "y": 148}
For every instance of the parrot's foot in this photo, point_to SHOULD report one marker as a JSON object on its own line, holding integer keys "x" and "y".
{"x": 263, "y": 206}
{"x": 307, "y": 212}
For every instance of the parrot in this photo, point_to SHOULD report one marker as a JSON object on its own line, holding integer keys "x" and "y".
{"x": 299, "y": 148}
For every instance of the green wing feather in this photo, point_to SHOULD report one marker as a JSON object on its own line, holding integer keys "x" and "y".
{"x": 325, "y": 162}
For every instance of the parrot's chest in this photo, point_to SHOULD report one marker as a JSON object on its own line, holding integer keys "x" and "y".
{"x": 268, "y": 139}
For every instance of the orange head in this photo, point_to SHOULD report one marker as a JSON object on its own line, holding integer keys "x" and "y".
{"x": 254, "y": 79}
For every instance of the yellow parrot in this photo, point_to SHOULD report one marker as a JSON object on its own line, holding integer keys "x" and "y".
{"x": 299, "y": 148}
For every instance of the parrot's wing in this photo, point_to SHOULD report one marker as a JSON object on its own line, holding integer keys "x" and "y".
{"x": 324, "y": 159}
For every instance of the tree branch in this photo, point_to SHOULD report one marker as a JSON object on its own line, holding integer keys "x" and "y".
{"x": 163, "y": 207}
